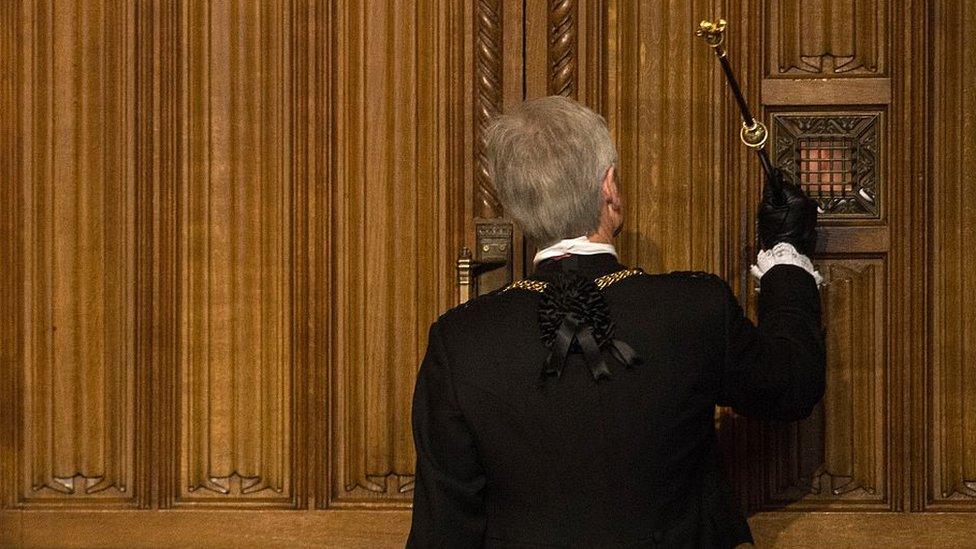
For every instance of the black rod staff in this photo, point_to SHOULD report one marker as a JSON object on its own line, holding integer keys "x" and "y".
{"x": 753, "y": 133}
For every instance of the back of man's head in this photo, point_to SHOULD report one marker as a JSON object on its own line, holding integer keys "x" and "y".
{"x": 548, "y": 158}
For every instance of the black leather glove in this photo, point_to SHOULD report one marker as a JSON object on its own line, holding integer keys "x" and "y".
{"x": 786, "y": 214}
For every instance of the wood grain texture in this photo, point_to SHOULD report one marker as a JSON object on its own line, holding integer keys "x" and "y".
{"x": 826, "y": 38}
{"x": 909, "y": 182}
{"x": 237, "y": 203}
{"x": 205, "y": 528}
{"x": 839, "y": 453}
{"x": 859, "y": 442}
{"x": 74, "y": 264}
{"x": 664, "y": 105}
{"x": 489, "y": 82}
{"x": 227, "y": 225}
{"x": 951, "y": 470}
{"x": 827, "y": 91}
{"x": 902, "y": 530}
{"x": 395, "y": 226}
{"x": 562, "y": 50}
{"x": 11, "y": 251}
{"x": 355, "y": 529}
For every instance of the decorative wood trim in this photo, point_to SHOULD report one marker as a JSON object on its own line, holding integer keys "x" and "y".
{"x": 851, "y": 147}
{"x": 232, "y": 294}
{"x": 908, "y": 188}
{"x": 950, "y": 461}
{"x": 594, "y": 31}
{"x": 77, "y": 267}
{"x": 321, "y": 287}
{"x": 563, "y": 62}
{"x": 347, "y": 528}
{"x": 167, "y": 128}
{"x": 837, "y": 457}
{"x": 488, "y": 97}
{"x": 395, "y": 229}
{"x": 11, "y": 250}
{"x": 895, "y": 237}
{"x": 832, "y": 38}
{"x": 145, "y": 109}
{"x": 301, "y": 205}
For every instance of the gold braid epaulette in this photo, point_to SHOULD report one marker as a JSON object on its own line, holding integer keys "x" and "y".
{"x": 601, "y": 283}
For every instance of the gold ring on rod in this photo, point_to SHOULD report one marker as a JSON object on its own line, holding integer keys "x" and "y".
{"x": 753, "y": 136}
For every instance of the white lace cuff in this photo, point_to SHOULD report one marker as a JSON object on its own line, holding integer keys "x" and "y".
{"x": 783, "y": 254}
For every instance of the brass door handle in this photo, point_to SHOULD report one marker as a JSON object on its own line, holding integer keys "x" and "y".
{"x": 467, "y": 269}
{"x": 464, "y": 267}
{"x": 491, "y": 257}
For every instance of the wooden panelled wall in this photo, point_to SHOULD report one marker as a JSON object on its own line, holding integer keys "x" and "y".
{"x": 227, "y": 226}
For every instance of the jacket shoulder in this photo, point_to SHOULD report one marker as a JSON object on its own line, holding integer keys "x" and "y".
{"x": 696, "y": 277}
{"x": 694, "y": 281}
{"x": 488, "y": 304}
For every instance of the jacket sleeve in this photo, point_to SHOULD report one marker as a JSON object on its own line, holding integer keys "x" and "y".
{"x": 448, "y": 497}
{"x": 777, "y": 370}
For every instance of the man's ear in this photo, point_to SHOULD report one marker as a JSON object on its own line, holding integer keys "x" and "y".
{"x": 611, "y": 194}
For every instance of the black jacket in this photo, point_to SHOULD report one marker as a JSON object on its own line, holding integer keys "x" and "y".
{"x": 627, "y": 461}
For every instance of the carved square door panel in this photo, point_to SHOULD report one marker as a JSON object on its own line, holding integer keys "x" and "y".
{"x": 835, "y": 157}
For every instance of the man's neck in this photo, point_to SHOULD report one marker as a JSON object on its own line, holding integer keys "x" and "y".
{"x": 600, "y": 237}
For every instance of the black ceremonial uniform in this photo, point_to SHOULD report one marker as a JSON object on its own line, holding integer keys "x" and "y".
{"x": 504, "y": 460}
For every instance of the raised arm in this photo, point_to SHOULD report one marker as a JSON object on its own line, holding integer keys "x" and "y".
{"x": 777, "y": 370}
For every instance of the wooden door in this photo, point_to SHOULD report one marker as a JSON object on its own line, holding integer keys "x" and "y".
{"x": 869, "y": 105}
{"x": 227, "y": 225}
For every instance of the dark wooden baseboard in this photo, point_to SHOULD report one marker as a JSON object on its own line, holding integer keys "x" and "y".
{"x": 887, "y": 530}
{"x": 200, "y": 528}
{"x": 378, "y": 529}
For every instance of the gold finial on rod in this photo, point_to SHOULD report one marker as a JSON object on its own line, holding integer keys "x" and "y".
{"x": 753, "y": 133}
{"x": 712, "y": 33}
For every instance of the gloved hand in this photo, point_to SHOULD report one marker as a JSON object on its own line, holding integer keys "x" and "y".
{"x": 786, "y": 214}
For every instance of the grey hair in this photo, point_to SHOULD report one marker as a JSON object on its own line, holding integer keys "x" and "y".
{"x": 547, "y": 159}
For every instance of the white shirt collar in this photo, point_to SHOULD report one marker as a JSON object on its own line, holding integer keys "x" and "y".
{"x": 577, "y": 246}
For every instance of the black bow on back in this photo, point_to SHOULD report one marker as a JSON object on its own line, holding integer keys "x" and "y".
{"x": 574, "y": 317}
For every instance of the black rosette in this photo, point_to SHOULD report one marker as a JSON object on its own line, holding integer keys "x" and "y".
{"x": 574, "y": 318}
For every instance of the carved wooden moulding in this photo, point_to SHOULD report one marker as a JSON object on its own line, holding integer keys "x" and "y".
{"x": 826, "y": 38}
{"x": 835, "y": 157}
{"x": 838, "y": 456}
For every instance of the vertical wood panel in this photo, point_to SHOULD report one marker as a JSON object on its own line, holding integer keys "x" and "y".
{"x": 839, "y": 453}
{"x": 908, "y": 176}
{"x": 826, "y": 38}
{"x": 665, "y": 107}
{"x": 237, "y": 215}
{"x": 395, "y": 226}
{"x": 951, "y": 473}
{"x": 75, "y": 266}
{"x": 839, "y": 458}
{"x": 11, "y": 251}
